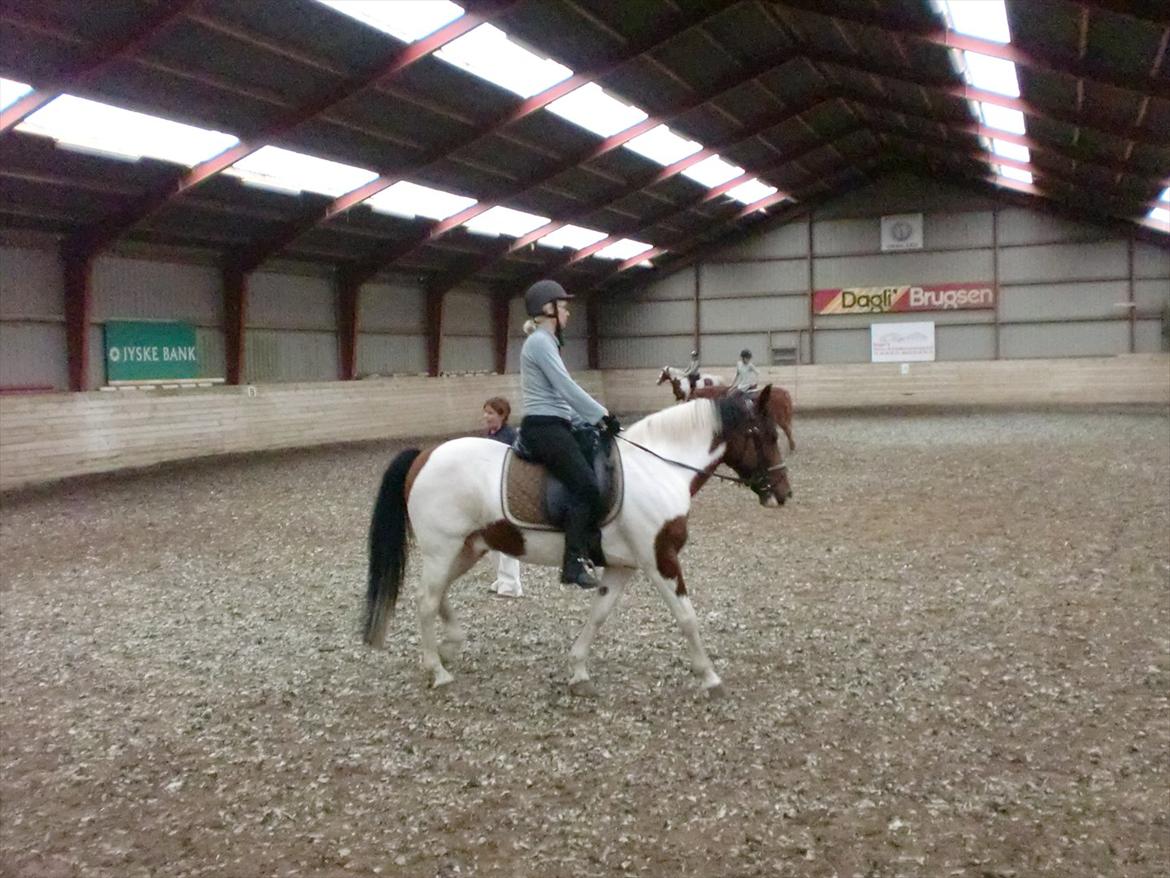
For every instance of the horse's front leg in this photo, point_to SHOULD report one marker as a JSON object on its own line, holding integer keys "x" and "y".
{"x": 610, "y": 589}
{"x": 673, "y": 591}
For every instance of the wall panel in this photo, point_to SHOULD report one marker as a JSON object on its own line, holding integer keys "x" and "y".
{"x": 33, "y": 355}
{"x": 730, "y": 315}
{"x": 1064, "y": 262}
{"x": 964, "y": 343}
{"x": 728, "y": 279}
{"x": 391, "y": 308}
{"x": 902, "y": 268}
{"x": 1150, "y": 261}
{"x": 788, "y": 240}
{"x": 642, "y": 353}
{"x": 1020, "y": 226}
{"x": 283, "y": 356}
{"x": 629, "y": 318}
{"x": 31, "y": 283}
{"x": 1061, "y": 301}
{"x": 461, "y": 353}
{"x": 134, "y": 289}
{"x": 385, "y": 354}
{"x": 289, "y": 301}
{"x": 1093, "y": 339}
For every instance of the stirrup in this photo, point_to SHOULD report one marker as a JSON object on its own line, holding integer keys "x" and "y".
{"x": 585, "y": 575}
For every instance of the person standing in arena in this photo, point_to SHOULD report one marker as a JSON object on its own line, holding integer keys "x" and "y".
{"x": 496, "y": 412}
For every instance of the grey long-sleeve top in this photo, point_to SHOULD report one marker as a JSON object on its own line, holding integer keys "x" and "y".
{"x": 546, "y": 386}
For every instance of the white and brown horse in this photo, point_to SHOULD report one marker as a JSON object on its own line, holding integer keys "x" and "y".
{"x": 450, "y": 497}
{"x": 681, "y": 385}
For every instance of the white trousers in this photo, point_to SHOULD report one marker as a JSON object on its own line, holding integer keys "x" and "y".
{"x": 508, "y": 576}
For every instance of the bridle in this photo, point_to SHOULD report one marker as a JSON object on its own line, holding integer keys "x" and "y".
{"x": 758, "y": 482}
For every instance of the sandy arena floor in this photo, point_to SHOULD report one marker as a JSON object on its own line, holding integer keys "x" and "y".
{"x": 950, "y": 656}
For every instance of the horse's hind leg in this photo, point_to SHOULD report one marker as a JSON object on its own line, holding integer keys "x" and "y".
{"x": 612, "y": 584}
{"x": 453, "y": 638}
{"x": 437, "y": 576}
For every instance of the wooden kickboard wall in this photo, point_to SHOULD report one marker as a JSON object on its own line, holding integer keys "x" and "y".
{"x": 44, "y": 437}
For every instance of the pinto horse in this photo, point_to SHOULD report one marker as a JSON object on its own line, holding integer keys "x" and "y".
{"x": 676, "y": 380}
{"x": 450, "y": 497}
{"x": 778, "y": 405}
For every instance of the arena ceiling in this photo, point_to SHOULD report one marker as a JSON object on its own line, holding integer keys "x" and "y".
{"x": 769, "y": 106}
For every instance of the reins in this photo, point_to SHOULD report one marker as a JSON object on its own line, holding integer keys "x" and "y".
{"x": 757, "y": 483}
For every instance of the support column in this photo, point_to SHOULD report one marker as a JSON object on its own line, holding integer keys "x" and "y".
{"x": 501, "y": 303}
{"x": 698, "y": 333}
{"x": 1132, "y": 299}
{"x": 995, "y": 273}
{"x": 812, "y": 310}
{"x": 434, "y": 330}
{"x": 78, "y": 265}
{"x": 593, "y": 331}
{"x": 235, "y": 305}
{"x": 349, "y": 291}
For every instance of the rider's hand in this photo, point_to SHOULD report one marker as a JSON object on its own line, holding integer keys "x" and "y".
{"x": 609, "y": 424}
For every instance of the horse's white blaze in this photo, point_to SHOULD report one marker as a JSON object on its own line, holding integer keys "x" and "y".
{"x": 456, "y": 494}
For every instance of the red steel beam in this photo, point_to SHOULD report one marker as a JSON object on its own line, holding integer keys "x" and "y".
{"x": 101, "y": 56}
{"x": 521, "y": 110}
{"x": 900, "y": 26}
{"x": 452, "y": 279}
{"x": 401, "y": 60}
{"x": 607, "y": 145}
{"x": 1080, "y": 155}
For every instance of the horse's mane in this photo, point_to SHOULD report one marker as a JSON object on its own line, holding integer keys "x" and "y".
{"x": 668, "y": 425}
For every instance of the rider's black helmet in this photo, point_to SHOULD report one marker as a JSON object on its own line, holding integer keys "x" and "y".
{"x": 745, "y": 354}
{"x": 540, "y": 294}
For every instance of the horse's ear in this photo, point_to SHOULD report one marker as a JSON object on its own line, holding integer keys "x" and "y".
{"x": 763, "y": 400}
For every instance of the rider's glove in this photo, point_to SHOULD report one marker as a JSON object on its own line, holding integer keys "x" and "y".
{"x": 611, "y": 425}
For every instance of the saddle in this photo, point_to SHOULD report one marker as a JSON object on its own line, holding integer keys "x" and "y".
{"x": 534, "y": 499}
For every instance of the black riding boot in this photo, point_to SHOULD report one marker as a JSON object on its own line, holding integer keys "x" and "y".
{"x": 579, "y": 571}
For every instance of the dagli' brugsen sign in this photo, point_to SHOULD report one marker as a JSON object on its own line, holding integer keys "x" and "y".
{"x": 890, "y": 300}
{"x": 148, "y": 351}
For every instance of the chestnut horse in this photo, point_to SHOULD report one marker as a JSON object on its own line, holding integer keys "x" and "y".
{"x": 450, "y": 497}
{"x": 778, "y": 404}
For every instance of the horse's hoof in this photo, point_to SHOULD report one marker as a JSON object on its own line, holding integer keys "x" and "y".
{"x": 441, "y": 680}
{"x": 583, "y": 689}
{"x": 718, "y": 692}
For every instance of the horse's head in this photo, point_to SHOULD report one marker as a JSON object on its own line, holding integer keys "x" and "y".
{"x": 753, "y": 446}
{"x": 664, "y": 376}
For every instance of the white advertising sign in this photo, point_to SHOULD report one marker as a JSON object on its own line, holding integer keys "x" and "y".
{"x": 901, "y": 342}
{"x": 902, "y": 231}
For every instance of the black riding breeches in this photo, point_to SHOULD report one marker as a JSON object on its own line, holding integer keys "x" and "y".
{"x": 550, "y": 441}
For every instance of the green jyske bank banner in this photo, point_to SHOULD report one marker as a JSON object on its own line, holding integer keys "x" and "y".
{"x": 145, "y": 351}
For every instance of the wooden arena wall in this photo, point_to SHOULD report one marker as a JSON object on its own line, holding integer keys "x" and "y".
{"x": 44, "y": 437}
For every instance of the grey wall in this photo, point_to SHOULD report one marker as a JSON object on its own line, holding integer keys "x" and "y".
{"x": 1061, "y": 286}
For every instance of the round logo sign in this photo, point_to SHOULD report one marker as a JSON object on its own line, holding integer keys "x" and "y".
{"x": 901, "y": 230}
{"x": 115, "y": 355}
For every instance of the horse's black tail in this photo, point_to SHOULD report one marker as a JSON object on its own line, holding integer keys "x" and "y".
{"x": 387, "y": 548}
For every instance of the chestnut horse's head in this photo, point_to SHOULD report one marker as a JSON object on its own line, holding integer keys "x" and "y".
{"x": 668, "y": 375}
{"x": 753, "y": 445}
{"x": 664, "y": 376}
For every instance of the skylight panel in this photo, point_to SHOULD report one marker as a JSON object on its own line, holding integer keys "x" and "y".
{"x": 408, "y": 20}
{"x": 576, "y": 237}
{"x": 1160, "y": 214}
{"x": 751, "y": 191}
{"x": 505, "y": 221}
{"x": 663, "y": 146}
{"x": 713, "y": 171}
{"x": 1013, "y": 174}
{"x": 89, "y": 125}
{"x": 487, "y": 53}
{"x": 1165, "y": 196}
{"x": 1003, "y": 118}
{"x": 979, "y": 18}
{"x": 623, "y": 249}
{"x": 992, "y": 74}
{"x": 1011, "y": 150}
{"x": 274, "y": 168}
{"x": 590, "y": 107}
{"x": 411, "y": 200}
{"x": 12, "y": 91}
